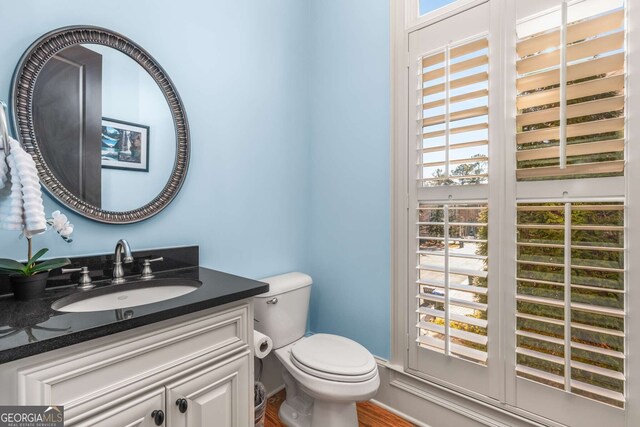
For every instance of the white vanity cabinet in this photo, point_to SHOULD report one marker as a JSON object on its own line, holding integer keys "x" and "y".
{"x": 212, "y": 397}
{"x": 196, "y": 369}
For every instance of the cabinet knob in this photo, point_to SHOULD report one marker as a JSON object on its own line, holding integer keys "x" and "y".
{"x": 182, "y": 405}
{"x": 158, "y": 417}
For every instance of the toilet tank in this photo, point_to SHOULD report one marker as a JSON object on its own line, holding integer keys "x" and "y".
{"x": 281, "y": 313}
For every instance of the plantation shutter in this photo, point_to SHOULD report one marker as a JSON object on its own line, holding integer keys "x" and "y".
{"x": 451, "y": 254}
{"x": 516, "y": 239}
{"x": 570, "y": 250}
{"x": 455, "y": 109}
{"x": 452, "y": 279}
{"x": 570, "y": 119}
{"x": 570, "y": 297}
{"x": 452, "y": 335}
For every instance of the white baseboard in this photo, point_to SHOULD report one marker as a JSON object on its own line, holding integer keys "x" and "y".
{"x": 471, "y": 414}
{"x": 400, "y": 414}
{"x": 275, "y": 391}
{"x": 427, "y": 404}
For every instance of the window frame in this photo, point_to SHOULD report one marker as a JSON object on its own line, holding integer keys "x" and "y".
{"x": 504, "y": 152}
{"x": 414, "y": 20}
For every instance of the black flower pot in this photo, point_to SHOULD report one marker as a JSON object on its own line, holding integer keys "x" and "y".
{"x": 26, "y": 288}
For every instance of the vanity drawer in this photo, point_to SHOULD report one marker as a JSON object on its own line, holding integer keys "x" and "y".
{"x": 106, "y": 373}
{"x": 135, "y": 413}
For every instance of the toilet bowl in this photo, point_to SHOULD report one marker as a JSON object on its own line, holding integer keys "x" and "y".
{"x": 324, "y": 374}
{"x": 323, "y": 398}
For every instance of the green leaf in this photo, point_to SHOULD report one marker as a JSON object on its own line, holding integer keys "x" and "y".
{"x": 37, "y": 256}
{"x": 50, "y": 265}
{"x": 11, "y": 265}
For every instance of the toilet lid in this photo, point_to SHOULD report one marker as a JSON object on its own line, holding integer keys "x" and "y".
{"x": 333, "y": 357}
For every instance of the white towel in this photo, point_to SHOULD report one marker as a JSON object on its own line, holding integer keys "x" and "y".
{"x": 11, "y": 205}
{"x": 23, "y": 208}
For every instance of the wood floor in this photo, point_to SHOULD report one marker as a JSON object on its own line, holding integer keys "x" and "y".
{"x": 369, "y": 415}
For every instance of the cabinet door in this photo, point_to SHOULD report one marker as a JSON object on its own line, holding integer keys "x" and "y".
{"x": 134, "y": 413}
{"x": 220, "y": 395}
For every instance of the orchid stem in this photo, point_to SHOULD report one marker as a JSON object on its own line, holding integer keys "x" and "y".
{"x": 30, "y": 248}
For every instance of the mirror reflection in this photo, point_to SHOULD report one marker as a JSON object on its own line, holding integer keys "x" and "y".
{"x": 104, "y": 127}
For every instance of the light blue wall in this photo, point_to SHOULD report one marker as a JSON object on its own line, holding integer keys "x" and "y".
{"x": 349, "y": 230}
{"x": 288, "y": 102}
{"x": 239, "y": 67}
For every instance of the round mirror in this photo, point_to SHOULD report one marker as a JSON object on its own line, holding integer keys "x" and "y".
{"x": 104, "y": 123}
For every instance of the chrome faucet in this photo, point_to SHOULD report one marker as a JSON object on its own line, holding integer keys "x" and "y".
{"x": 118, "y": 272}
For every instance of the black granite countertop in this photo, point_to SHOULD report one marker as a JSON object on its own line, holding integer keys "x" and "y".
{"x": 32, "y": 327}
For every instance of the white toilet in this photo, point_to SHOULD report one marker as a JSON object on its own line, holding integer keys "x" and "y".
{"x": 325, "y": 375}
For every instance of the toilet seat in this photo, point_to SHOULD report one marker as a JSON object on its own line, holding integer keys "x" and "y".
{"x": 334, "y": 358}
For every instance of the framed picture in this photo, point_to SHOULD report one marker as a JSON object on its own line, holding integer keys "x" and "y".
{"x": 125, "y": 145}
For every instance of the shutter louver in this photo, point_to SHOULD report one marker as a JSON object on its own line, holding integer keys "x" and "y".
{"x": 570, "y": 298}
{"x": 593, "y": 119}
{"x": 454, "y": 115}
{"x": 452, "y": 279}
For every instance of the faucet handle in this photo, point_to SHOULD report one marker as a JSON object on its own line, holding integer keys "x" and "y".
{"x": 85, "y": 277}
{"x": 146, "y": 268}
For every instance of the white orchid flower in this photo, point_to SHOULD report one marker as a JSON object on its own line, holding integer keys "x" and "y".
{"x": 67, "y": 231}
{"x": 59, "y": 221}
{"x": 61, "y": 224}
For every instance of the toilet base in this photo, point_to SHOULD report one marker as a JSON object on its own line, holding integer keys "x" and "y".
{"x": 291, "y": 416}
{"x": 301, "y": 410}
{"x": 335, "y": 414}
{"x": 322, "y": 414}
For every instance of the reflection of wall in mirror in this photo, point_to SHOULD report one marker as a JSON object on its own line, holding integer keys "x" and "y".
{"x": 130, "y": 94}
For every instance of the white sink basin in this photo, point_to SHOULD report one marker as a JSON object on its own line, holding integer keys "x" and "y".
{"x": 126, "y": 295}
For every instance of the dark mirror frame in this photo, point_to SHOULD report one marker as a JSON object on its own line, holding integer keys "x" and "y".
{"x": 22, "y": 88}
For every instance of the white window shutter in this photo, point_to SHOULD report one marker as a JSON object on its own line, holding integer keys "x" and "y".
{"x": 574, "y": 127}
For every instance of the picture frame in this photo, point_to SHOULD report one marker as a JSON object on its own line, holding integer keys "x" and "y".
{"x": 125, "y": 145}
